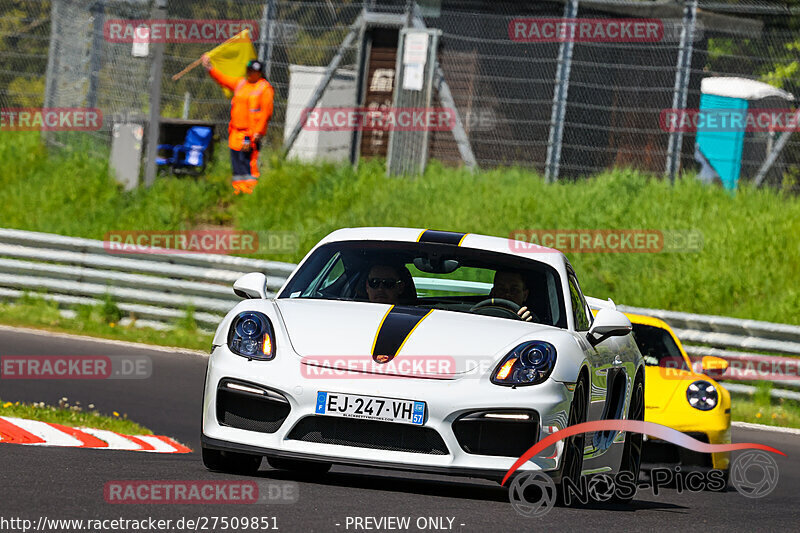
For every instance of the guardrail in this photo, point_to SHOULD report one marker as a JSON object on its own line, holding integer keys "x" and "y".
{"x": 726, "y": 337}
{"x": 158, "y": 288}
{"x": 728, "y": 332}
{"x": 153, "y": 288}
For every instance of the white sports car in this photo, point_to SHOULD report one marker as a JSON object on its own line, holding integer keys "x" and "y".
{"x": 420, "y": 350}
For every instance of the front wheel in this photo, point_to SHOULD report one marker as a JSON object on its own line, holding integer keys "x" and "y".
{"x": 632, "y": 450}
{"x": 230, "y": 462}
{"x": 572, "y": 462}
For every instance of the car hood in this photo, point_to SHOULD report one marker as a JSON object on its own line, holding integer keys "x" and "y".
{"x": 338, "y": 333}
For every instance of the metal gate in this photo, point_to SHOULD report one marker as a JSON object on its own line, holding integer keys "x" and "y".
{"x": 413, "y": 89}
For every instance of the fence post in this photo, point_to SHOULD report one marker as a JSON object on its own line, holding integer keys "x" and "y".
{"x": 98, "y": 11}
{"x": 159, "y": 13}
{"x": 187, "y": 101}
{"x": 51, "y": 77}
{"x": 559, "y": 110}
{"x": 267, "y": 35}
{"x": 682, "y": 75}
{"x": 774, "y": 153}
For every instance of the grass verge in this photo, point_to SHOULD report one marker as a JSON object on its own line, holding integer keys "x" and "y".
{"x": 761, "y": 408}
{"x": 72, "y": 416}
{"x": 100, "y": 321}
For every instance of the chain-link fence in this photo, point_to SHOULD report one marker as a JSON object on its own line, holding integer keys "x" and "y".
{"x": 24, "y": 42}
{"x": 566, "y": 109}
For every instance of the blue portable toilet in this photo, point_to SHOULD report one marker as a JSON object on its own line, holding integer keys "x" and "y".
{"x": 725, "y": 154}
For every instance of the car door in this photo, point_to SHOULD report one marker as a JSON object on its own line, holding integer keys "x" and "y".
{"x": 608, "y": 383}
{"x": 597, "y": 357}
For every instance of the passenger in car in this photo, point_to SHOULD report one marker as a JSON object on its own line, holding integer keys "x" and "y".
{"x": 511, "y": 286}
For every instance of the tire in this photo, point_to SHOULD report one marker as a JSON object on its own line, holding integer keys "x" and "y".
{"x": 632, "y": 450}
{"x": 231, "y": 462}
{"x": 572, "y": 463}
{"x": 299, "y": 466}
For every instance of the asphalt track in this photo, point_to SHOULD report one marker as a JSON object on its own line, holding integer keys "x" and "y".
{"x": 67, "y": 483}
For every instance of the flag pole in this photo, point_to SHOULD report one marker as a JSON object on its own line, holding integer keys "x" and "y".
{"x": 193, "y": 65}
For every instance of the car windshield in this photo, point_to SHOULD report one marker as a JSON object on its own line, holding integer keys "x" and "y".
{"x": 658, "y": 347}
{"x": 433, "y": 276}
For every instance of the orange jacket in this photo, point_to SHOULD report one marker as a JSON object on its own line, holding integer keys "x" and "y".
{"x": 251, "y": 107}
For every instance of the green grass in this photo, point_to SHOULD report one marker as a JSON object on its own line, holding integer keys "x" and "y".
{"x": 100, "y": 321}
{"x": 760, "y": 408}
{"x": 747, "y": 268}
{"x": 73, "y": 416}
{"x": 72, "y": 194}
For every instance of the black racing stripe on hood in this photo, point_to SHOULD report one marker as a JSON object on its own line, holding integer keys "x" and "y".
{"x": 394, "y": 329}
{"x": 441, "y": 237}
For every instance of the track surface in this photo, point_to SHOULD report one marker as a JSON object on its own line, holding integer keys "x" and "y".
{"x": 68, "y": 483}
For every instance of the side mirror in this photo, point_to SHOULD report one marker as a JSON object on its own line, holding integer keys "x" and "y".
{"x": 610, "y": 323}
{"x": 252, "y": 285}
{"x": 714, "y": 366}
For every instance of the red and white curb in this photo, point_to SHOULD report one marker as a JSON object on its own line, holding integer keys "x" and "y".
{"x": 36, "y": 433}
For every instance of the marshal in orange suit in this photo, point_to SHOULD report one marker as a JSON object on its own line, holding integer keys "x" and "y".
{"x": 251, "y": 109}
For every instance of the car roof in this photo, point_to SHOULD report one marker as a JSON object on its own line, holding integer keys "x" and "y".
{"x": 505, "y": 245}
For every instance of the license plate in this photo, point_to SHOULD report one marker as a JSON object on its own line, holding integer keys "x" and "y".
{"x": 371, "y": 408}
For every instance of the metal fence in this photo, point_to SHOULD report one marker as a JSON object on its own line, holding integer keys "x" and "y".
{"x": 564, "y": 109}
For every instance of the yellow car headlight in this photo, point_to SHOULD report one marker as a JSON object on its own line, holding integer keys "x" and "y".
{"x": 702, "y": 395}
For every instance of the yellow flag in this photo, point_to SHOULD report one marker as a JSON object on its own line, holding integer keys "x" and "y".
{"x": 232, "y": 56}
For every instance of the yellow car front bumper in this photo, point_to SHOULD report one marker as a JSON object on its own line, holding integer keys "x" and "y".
{"x": 712, "y": 427}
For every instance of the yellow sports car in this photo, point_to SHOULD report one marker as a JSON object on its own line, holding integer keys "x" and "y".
{"x": 678, "y": 397}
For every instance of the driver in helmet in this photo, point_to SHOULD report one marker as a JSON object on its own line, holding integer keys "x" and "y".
{"x": 511, "y": 286}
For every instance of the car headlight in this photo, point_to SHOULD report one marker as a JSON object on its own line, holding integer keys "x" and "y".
{"x": 251, "y": 335}
{"x": 702, "y": 395}
{"x": 529, "y": 363}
